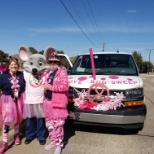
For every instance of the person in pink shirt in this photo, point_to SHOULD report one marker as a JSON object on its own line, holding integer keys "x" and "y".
{"x": 55, "y": 102}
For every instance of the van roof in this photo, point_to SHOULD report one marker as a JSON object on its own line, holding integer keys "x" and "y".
{"x": 107, "y": 53}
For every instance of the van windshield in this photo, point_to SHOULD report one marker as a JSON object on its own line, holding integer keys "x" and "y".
{"x": 106, "y": 64}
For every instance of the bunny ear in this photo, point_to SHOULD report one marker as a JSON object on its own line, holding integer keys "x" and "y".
{"x": 48, "y": 51}
{"x": 24, "y": 53}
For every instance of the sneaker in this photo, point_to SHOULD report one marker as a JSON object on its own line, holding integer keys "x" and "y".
{"x": 17, "y": 140}
{"x": 42, "y": 142}
{"x": 58, "y": 150}
{"x": 3, "y": 147}
{"x": 27, "y": 141}
{"x": 49, "y": 146}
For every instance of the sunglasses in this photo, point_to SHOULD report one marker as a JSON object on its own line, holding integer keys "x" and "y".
{"x": 52, "y": 62}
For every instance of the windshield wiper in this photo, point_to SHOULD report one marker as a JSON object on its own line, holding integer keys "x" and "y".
{"x": 80, "y": 73}
{"x": 107, "y": 73}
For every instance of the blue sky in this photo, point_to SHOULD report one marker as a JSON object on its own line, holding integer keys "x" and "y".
{"x": 74, "y": 26}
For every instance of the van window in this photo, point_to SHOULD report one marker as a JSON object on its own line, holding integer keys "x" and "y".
{"x": 105, "y": 64}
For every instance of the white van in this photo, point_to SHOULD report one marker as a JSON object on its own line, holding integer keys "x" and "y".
{"x": 107, "y": 92}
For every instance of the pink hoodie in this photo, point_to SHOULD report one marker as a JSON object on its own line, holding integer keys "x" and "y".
{"x": 59, "y": 89}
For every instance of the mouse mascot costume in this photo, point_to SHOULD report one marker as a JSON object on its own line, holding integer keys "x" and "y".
{"x": 34, "y": 67}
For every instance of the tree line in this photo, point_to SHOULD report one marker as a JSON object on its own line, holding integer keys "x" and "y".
{"x": 4, "y": 56}
{"x": 139, "y": 61}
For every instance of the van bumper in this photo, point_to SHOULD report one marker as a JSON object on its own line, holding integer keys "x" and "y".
{"x": 133, "y": 117}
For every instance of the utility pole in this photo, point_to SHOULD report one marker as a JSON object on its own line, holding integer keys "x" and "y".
{"x": 103, "y": 46}
{"x": 149, "y": 57}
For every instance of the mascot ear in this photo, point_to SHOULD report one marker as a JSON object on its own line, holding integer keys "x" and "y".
{"x": 24, "y": 53}
{"x": 48, "y": 51}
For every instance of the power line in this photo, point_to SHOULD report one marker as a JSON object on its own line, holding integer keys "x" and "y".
{"x": 82, "y": 20}
{"x": 88, "y": 15}
{"x": 94, "y": 19}
{"x": 77, "y": 23}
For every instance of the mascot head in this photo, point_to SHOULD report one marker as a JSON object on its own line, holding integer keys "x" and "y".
{"x": 35, "y": 64}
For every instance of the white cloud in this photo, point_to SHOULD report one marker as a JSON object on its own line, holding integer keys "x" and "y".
{"x": 54, "y": 30}
{"x": 105, "y": 28}
{"x": 131, "y": 11}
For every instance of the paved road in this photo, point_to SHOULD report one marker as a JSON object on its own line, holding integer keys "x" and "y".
{"x": 98, "y": 140}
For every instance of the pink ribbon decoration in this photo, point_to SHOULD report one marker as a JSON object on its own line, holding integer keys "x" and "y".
{"x": 92, "y": 63}
{"x": 86, "y": 105}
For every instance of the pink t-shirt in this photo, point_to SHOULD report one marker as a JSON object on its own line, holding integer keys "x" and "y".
{"x": 34, "y": 89}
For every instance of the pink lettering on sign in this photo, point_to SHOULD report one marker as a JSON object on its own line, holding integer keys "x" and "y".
{"x": 70, "y": 78}
{"x": 92, "y": 81}
{"x": 125, "y": 82}
{"x": 75, "y": 81}
{"x": 130, "y": 82}
{"x": 70, "y": 81}
{"x": 104, "y": 82}
{"x": 113, "y": 82}
{"x": 97, "y": 81}
{"x": 119, "y": 82}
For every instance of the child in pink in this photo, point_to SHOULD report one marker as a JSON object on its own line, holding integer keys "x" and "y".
{"x": 55, "y": 103}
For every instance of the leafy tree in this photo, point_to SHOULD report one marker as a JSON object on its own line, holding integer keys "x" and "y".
{"x": 138, "y": 58}
{"x": 60, "y": 52}
{"x": 3, "y": 56}
{"x": 33, "y": 50}
{"x": 150, "y": 68}
{"x": 41, "y": 52}
{"x": 73, "y": 59}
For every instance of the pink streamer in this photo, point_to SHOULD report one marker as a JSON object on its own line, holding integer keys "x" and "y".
{"x": 92, "y": 63}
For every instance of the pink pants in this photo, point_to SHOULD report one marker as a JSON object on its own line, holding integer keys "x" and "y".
{"x": 56, "y": 131}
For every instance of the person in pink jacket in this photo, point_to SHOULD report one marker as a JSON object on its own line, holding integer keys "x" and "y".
{"x": 55, "y": 102}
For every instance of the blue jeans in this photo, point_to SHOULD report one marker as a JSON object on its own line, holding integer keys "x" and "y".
{"x": 35, "y": 127}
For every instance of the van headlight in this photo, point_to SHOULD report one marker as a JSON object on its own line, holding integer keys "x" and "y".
{"x": 134, "y": 92}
